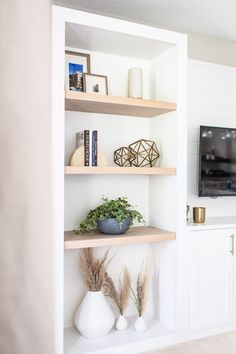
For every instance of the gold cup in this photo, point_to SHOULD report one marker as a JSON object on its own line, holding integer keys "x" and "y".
{"x": 199, "y": 215}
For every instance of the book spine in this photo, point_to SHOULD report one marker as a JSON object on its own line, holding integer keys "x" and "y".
{"x": 94, "y": 147}
{"x": 86, "y": 148}
{"x": 79, "y": 139}
{"x": 90, "y": 147}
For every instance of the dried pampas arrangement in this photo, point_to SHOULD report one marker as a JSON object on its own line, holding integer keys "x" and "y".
{"x": 120, "y": 296}
{"x": 94, "y": 270}
{"x": 140, "y": 295}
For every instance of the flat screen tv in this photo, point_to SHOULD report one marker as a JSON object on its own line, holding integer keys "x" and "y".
{"x": 217, "y": 162}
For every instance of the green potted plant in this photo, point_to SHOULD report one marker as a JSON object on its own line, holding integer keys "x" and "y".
{"x": 113, "y": 217}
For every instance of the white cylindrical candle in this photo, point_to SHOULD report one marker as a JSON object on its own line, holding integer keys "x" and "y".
{"x": 135, "y": 84}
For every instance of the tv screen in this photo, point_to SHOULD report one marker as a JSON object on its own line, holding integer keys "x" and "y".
{"x": 217, "y": 165}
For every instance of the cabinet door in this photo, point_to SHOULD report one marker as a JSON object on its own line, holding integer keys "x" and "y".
{"x": 211, "y": 278}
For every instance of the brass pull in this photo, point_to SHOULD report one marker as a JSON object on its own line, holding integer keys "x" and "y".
{"x": 232, "y": 248}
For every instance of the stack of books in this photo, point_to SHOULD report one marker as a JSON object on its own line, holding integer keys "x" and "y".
{"x": 88, "y": 139}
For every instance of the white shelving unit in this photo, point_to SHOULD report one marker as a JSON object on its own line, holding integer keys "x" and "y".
{"x": 75, "y": 344}
{"x": 159, "y": 193}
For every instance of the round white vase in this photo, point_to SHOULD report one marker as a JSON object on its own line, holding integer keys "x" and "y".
{"x": 121, "y": 323}
{"x": 140, "y": 324}
{"x": 94, "y": 317}
{"x": 135, "y": 83}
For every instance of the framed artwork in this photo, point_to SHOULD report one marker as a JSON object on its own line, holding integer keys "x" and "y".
{"x": 76, "y": 65}
{"x": 96, "y": 84}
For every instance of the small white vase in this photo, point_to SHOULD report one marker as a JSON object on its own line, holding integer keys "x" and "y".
{"x": 94, "y": 317}
{"x": 140, "y": 324}
{"x": 121, "y": 323}
{"x": 135, "y": 83}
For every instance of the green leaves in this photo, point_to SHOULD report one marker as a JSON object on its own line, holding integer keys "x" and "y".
{"x": 119, "y": 209}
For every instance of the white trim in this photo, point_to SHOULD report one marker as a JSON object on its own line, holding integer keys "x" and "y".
{"x": 120, "y": 26}
{"x": 57, "y": 126}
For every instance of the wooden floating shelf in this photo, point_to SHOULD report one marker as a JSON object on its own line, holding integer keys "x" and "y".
{"x": 125, "y": 106}
{"x": 112, "y": 170}
{"x": 139, "y": 234}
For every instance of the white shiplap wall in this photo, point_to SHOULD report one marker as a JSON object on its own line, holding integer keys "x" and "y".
{"x": 211, "y": 101}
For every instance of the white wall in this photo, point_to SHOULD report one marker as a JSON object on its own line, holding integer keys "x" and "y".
{"x": 26, "y": 252}
{"x": 211, "y": 101}
{"x": 211, "y": 49}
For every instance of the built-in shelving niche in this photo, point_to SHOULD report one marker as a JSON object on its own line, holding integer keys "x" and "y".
{"x": 121, "y": 121}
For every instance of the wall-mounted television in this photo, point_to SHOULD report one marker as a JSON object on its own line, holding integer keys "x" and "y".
{"x": 217, "y": 162}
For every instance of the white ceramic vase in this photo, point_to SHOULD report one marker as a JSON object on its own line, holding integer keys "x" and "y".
{"x": 94, "y": 317}
{"x": 121, "y": 323}
{"x": 140, "y": 324}
{"x": 135, "y": 83}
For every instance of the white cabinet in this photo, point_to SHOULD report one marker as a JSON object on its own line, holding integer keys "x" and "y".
{"x": 211, "y": 278}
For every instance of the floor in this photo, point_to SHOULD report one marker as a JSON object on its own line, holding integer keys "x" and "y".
{"x": 220, "y": 344}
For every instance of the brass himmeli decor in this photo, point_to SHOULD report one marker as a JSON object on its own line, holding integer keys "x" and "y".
{"x": 141, "y": 153}
{"x": 145, "y": 151}
{"x": 123, "y": 157}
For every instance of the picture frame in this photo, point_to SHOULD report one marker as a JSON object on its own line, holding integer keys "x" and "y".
{"x": 75, "y": 65}
{"x": 96, "y": 84}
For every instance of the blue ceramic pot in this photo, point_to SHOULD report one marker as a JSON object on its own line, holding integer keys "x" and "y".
{"x": 111, "y": 226}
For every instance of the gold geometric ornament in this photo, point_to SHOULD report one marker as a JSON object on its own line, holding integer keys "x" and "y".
{"x": 123, "y": 157}
{"x": 146, "y": 153}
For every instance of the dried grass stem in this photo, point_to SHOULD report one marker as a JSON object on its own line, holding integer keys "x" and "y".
{"x": 140, "y": 296}
{"x": 120, "y": 296}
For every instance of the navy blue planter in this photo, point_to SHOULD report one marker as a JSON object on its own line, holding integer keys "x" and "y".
{"x": 111, "y": 226}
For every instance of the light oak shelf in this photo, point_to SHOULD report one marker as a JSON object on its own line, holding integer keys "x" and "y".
{"x": 138, "y": 234}
{"x": 125, "y": 106}
{"x": 112, "y": 170}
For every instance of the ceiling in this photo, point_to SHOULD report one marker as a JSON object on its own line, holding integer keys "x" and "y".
{"x": 215, "y": 18}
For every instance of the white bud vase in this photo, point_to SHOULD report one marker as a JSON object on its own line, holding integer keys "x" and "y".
{"x": 135, "y": 83}
{"x": 140, "y": 324}
{"x": 121, "y": 323}
{"x": 94, "y": 317}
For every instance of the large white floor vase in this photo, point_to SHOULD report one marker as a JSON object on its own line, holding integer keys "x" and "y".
{"x": 94, "y": 317}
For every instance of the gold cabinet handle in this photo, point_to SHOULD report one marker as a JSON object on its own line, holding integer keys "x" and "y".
{"x": 232, "y": 247}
